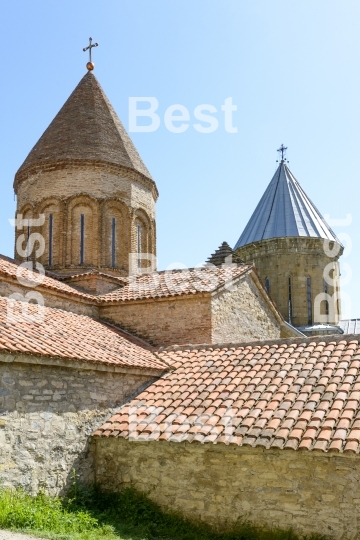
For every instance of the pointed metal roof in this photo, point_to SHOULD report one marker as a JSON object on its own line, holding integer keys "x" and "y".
{"x": 285, "y": 210}
{"x": 87, "y": 129}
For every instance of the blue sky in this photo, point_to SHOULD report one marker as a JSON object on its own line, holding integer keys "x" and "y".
{"x": 292, "y": 69}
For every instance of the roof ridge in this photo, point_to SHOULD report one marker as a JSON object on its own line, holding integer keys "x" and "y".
{"x": 138, "y": 288}
{"x": 280, "y": 341}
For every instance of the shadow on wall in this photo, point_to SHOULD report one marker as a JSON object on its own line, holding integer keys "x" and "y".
{"x": 47, "y": 414}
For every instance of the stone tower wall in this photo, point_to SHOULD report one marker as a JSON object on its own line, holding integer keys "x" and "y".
{"x": 100, "y": 192}
{"x": 298, "y": 258}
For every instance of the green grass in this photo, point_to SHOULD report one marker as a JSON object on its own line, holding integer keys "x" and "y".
{"x": 88, "y": 514}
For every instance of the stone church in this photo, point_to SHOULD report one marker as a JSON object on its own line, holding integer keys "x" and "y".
{"x": 229, "y": 390}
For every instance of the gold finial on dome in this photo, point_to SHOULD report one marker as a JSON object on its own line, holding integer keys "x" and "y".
{"x": 90, "y": 65}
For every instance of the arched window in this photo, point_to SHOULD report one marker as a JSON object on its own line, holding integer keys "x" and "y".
{"x": 290, "y": 299}
{"x": 28, "y": 243}
{"x": 113, "y": 241}
{"x": 82, "y": 238}
{"x": 267, "y": 285}
{"x": 326, "y": 301}
{"x": 309, "y": 301}
{"x": 138, "y": 242}
{"x": 50, "y": 239}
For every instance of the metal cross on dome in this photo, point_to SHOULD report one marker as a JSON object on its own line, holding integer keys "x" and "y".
{"x": 90, "y": 65}
{"x": 282, "y": 150}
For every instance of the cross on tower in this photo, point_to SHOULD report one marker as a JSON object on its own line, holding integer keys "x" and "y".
{"x": 90, "y": 65}
{"x": 282, "y": 149}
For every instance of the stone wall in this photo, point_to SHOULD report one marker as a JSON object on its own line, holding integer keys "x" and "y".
{"x": 51, "y": 298}
{"x": 169, "y": 321}
{"x": 93, "y": 283}
{"x": 298, "y": 258}
{"x": 242, "y": 314}
{"x": 100, "y": 182}
{"x": 309, "y": 491}
{"x": 47, "y": 413}
{"x": 101, "y": 193}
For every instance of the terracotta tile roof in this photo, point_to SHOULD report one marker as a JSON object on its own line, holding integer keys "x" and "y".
{"x": 10, "y": 268}
{"x": 291, "y": 394}
{"x": 121, "y": 280}
{"x": 176, "y": 283}
{"x": 66, "y": 335}
{"x": 85, "y": 129}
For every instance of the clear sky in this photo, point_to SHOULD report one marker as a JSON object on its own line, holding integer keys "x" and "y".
{"x": 292, "y": 69}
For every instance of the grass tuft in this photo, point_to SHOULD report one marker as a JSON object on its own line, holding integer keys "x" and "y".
{"x": 89, "y": 514}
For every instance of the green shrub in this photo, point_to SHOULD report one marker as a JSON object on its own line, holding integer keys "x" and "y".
{"x": 89, "y": 514}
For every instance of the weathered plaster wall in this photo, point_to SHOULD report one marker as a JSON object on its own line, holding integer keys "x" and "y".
{"x": 242, "y": 315}
{"x": 309, "y": 491}
{"x": 178, "y": 320}
{"x": 46, "y": 416}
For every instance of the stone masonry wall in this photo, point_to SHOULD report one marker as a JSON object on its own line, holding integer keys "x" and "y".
{"x": 46, "y": 416}
{"x": 101, "y": 193}
{"x": 96, "y": 182}
{"x": 309, "y": 491}
{"x": 51, "y": 300}
{"x": 93, "y": 284}
{"x": 178, "y": 320}
{"x": 242, "y": 315}
{"x": 299, "y": 258}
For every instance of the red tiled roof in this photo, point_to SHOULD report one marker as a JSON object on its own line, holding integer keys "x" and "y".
{"x": 292, "y": 394}
{"x": 12, "y": 269}
{"x": 62, "y": 334}
{"x": 121, "y": 280}
{"x": 176, "y": 283}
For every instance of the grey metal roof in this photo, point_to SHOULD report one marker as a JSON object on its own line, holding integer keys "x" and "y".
{"x": 350, "y": 326}
{"x": 285, "y": 210}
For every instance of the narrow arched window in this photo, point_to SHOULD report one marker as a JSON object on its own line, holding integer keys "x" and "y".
{"x": 326, "y": 301}
{"x": 290, "y": 299}
{"x": 267, "y": 285}
{"x": 50, "y": 239}
{"x": 309, "y": 301}
{"x": 28, "y": 243}
{"x": 138, "y": 240}
{"x": 113, "y": 237}
{"x": 82, "y": 238}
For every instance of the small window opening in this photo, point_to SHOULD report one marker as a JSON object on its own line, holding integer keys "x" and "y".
{"x": 28, "y": 244}
{"x": 290, "y": 300}
{"x": 267, "y": 285}
{"x": 139, "y": 244}
{"x": 113, "y": 231}
{"x": 82, "y": 237}
{"x": 309, "y": 301}
{"x": 326, "y": 302}
{"x": 50, "y": 239}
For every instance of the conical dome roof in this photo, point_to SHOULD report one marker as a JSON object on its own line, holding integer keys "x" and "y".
{"x": 85, "y": 129}
{"x": 285, "y": 210}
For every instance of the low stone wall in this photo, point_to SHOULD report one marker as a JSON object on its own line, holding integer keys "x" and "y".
{"x": 309, "y": 491}
{"x": 47, "y": 413}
